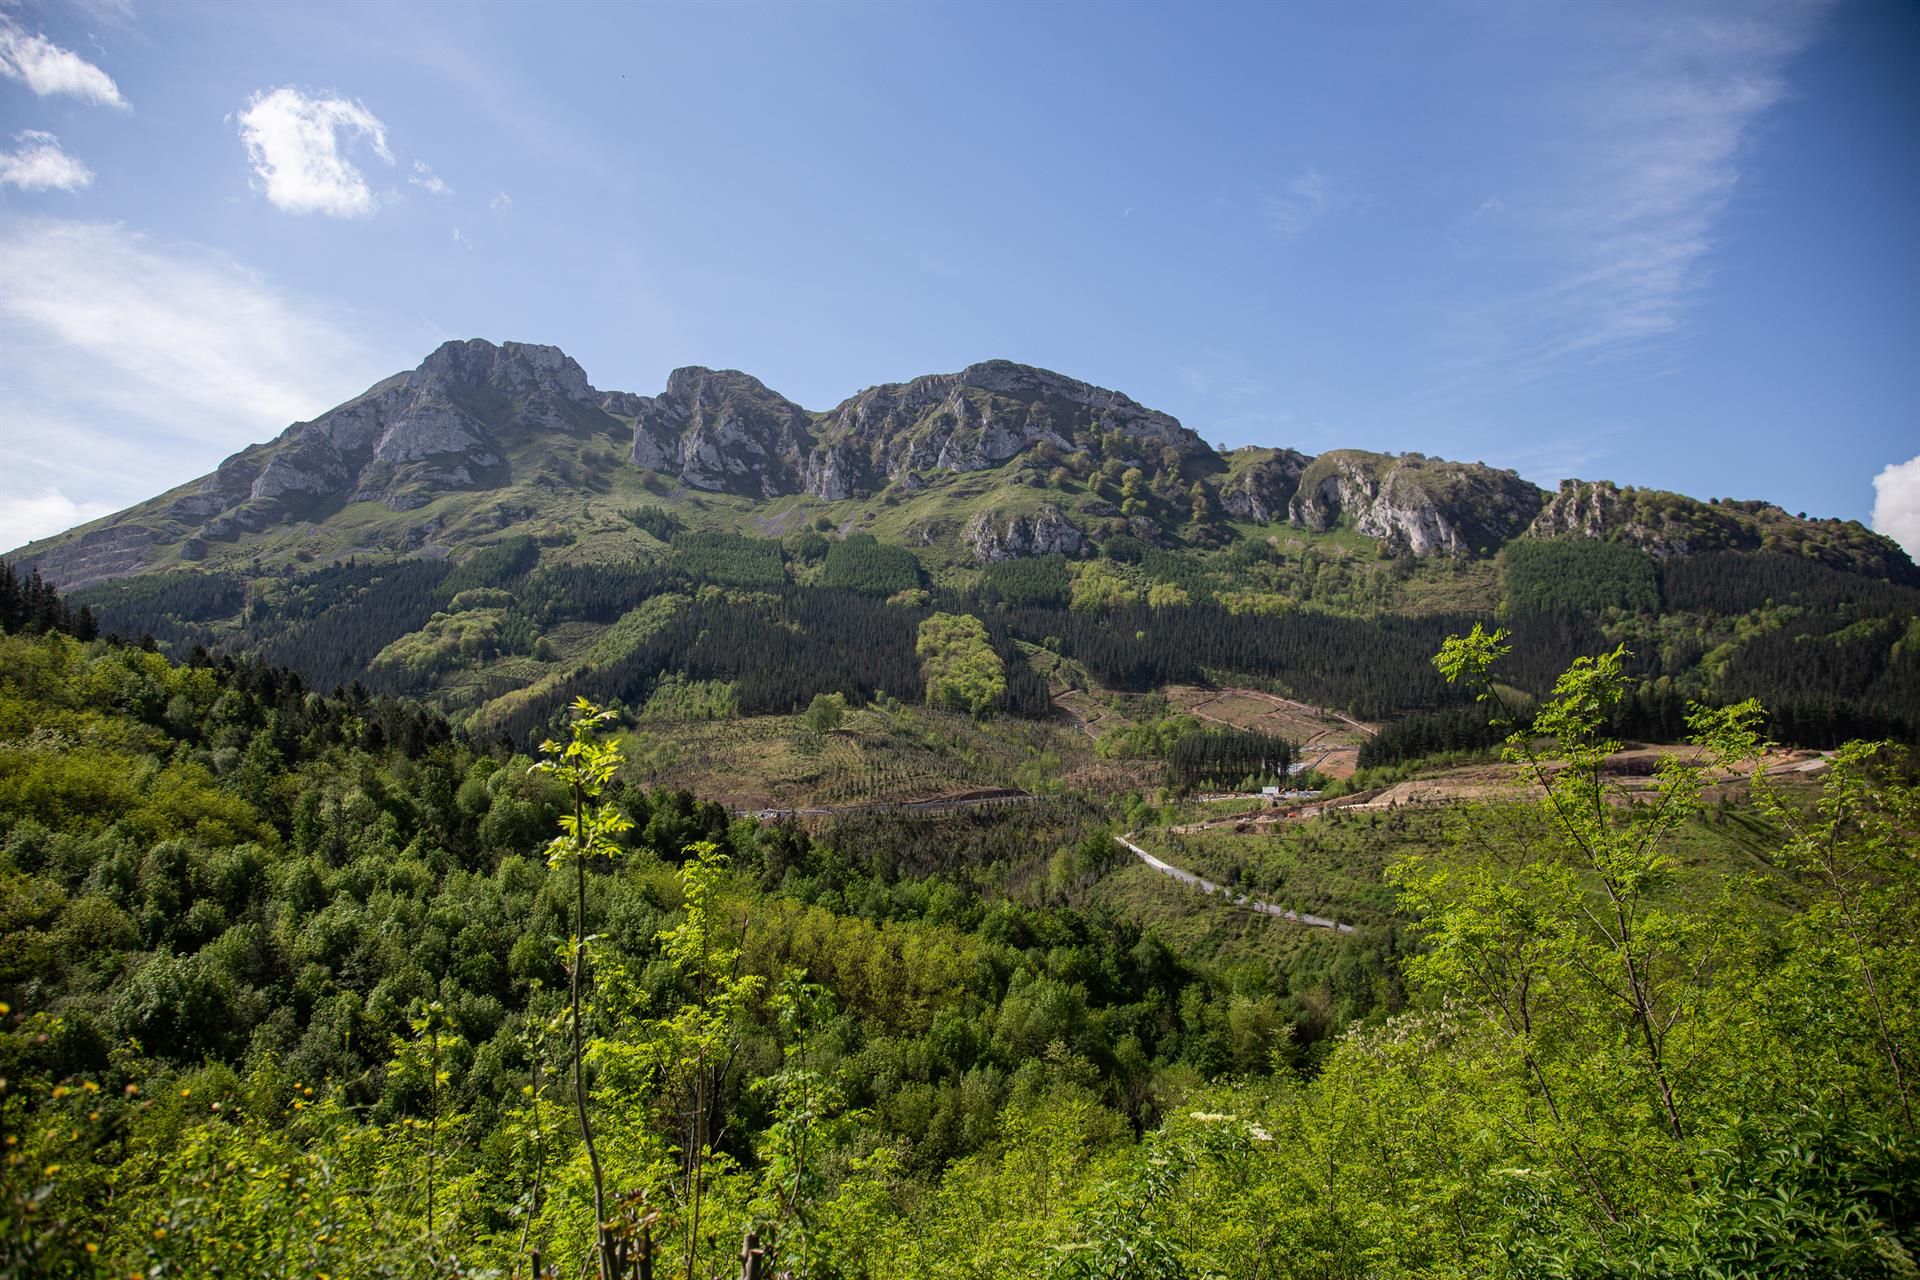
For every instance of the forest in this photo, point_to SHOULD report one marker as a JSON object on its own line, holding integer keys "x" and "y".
{"x": 1831, "y": 655}
{"x": 299, "y": 982}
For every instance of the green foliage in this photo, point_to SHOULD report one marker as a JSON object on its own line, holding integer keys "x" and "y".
{"x": 825, "y": 713}
{"x": 494, "y": 566}
{"x": 859, "y": 563}
{"x": 658, "y": 521}
{"x": 1031, "y": 580}
{"x": 729, "y": 559}
{"x": 1224, "y": 757}
{"x": 635, "y": 627}
{"x": 584, "y": 766}
{"x": 961, "y": 669}
{"x": 286, "y": 997}
{"x": 676, "y": 699}
{"x": 1579, "y": 574}
{"x": 1256, "y": 604}
{"x": 1096, "y": 588}
{"x": 448, "y": 638}
{"x": 1147, "y": 735}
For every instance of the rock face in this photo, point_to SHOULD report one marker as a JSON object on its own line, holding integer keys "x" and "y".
{"x": 1421, "y": 505}
{"x": 974, "y": 420}
{"x": 727, "y": 431}
{"x": 1263, "y": 489}
{"x": 112, "y": 551}
{"x": 1666, "y": 525}
{"x": 445, "y": 426}
{"x": 722, "y": 431}
{"x": 996, "y": 535}
{"x": 522, "y": 424}
{"x": 1661, "y": 524}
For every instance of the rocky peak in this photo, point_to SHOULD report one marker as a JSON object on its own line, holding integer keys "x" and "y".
{"x": 1425, "y": 506}
{"x": 975, "y": 420}
{"x": 1260, "y": 483}
{"x": 446, "y": 425}
{"x": 1661, "y": 524}
{"x": 1665, "y": 525}
{"x": 722, "y": 430}
{"x": 517, "y": 369}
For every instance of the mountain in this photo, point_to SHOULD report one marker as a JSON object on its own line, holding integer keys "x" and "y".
{"x": 494, "y": 534}
{"x": 484, "y": 440}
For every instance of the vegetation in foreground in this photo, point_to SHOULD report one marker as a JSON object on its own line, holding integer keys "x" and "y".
{"x": 290, "y": 993}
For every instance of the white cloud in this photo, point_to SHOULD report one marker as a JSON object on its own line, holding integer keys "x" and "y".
{"x": 1308, "y": 198}
{"x": 297, "y": 147}
{"x": 25, "y": 517}
{"x": 424, "y": 176}
{"x": 46, "y": 68}
{"x": 147, "y": 363}
{"x": 41, "y": 164}
{"x": 462, "y": 241}
{"x": 1896, "y": 504}
{"x": 500, "y": 201}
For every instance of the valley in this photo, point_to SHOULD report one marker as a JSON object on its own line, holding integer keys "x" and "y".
{"x": 983, "y": 777}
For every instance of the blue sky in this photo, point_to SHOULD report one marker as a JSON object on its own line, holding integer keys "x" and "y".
{"x": 1671, "y": 245}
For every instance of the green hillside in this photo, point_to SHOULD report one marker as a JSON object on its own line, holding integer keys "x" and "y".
{"x": 288, "y": 990}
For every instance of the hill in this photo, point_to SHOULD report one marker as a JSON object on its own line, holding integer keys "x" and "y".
{"x": 493, "y": 533}
{"x": 285, "y": 988}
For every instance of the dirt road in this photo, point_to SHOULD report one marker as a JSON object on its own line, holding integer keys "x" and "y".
{"x": 1238, "y": 900}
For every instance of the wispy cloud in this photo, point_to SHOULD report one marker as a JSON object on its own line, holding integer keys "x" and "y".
{"x": 47, "y": 69}
{"x": 1896, "y": 504}
{"x": 1653, "y": 154}
{"x": 500, "y": 201}
{"x": 149, "y": 362}
{"x": 113, "y": 13}
{"x": 462, "y": 241}
{"x": 41, "y": 164}
{"x": 424, "y": 177}
{"x": 298, "y": 147}
{"x": 1306, "y": 200}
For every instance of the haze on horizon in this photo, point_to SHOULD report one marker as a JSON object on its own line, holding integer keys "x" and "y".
{"x": 1666, "y": 246}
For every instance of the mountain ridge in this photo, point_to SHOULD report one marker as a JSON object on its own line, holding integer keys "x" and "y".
{"x": 482, "y": 438}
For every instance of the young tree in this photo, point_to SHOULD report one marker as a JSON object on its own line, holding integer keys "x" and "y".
{"x": 1860, "y": 847}
{"x": 589, "y": 830}
{"x": 1581, "y": 959}
{"x": 697, "y": 1045}
{"x": 825, "y": 713}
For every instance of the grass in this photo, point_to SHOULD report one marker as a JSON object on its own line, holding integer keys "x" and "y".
{"x": 879, "y": 755}
{"x": 1335, "y": 865}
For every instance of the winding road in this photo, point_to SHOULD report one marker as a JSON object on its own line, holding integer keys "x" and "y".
{"x": 1009, "y": 795}
{"x": 1238, "y": 900}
